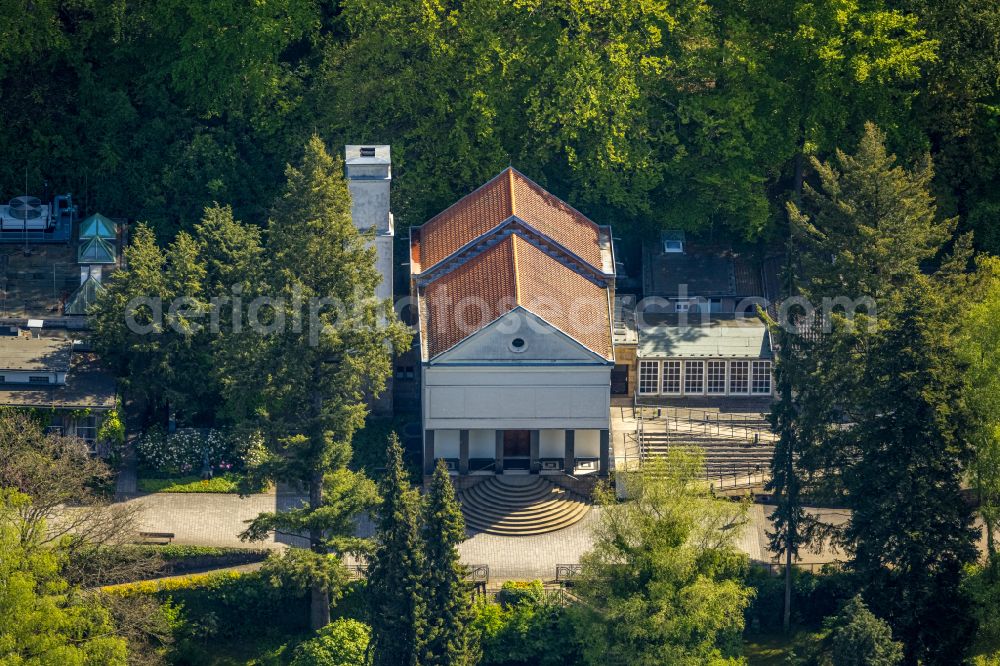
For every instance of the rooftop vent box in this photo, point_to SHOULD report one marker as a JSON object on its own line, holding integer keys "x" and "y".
{"x": 368, "y": 151}
{"x": 673, "y": 241}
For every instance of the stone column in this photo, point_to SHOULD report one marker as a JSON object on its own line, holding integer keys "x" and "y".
{"x": 569, "y": 465}
{"x": 498, "y": 464}
{"x": 463, "y": 451}
{"x": 604, "y": 465}
{"x": 535, "y": 464}
{"x": 429, "y": 452}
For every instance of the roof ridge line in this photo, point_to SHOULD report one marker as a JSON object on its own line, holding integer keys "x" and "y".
{"x": 510, "y": 187}
{"x": 463, "y": 197}
{"x": 513, "y": 254}
{"x": 534, "y": 184}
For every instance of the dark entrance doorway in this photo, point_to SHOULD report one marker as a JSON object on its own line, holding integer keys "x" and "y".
{"x": 516, "y": 449}
{"x": 619, "y": 380}
{"x": 516, "y": 443}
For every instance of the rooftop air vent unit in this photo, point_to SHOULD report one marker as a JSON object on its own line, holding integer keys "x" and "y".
{"x": 25, "y": 208}
{"x": 368, "y": 151}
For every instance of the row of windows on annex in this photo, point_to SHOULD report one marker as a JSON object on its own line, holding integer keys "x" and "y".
{"x": 686, "y": 377}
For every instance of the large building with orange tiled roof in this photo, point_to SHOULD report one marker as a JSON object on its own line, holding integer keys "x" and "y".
{"x": 514, "y": 291}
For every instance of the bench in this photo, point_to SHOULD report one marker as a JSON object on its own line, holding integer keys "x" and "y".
{"x": 156, "y": 537}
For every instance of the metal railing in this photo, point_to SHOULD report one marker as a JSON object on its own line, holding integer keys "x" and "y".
{"x": 477, "y": 573}
{"x": 566, "y": 574}
{"x": 742, "y": 476}
{"x": 778, "y": 568}
{"x": 735, "y": 426}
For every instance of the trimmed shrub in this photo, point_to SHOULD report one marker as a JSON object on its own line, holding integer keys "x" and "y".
{"x": 514, "y": 592}
{"x": 531, "y": 632}
{"x": 226, "y": 605}
{"x": 221, "y": 483}
{"x": 341, "y": 643}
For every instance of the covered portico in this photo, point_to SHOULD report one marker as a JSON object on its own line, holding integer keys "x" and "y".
{"x": 519, "y": 451}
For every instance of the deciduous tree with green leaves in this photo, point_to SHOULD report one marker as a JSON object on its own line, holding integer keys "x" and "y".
{"x": 980, "y": 344}
{"x": 664, "y": 581}
{"x": 45, "y": 620}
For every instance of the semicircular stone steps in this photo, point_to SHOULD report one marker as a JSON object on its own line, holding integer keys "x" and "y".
{"x": 520, "y": 506}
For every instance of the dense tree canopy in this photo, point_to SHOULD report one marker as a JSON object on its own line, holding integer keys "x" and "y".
{"x": 695, "y": 113}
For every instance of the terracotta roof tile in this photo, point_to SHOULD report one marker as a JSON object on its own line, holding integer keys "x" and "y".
{"x": 468, "y": 298}
{"x": 556, "y": 219}
{"x": 510, "y": 193}
{"x": 514, "y": 272}
{"x": 563, "y": 297}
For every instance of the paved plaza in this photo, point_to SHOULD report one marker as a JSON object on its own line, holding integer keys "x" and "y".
{"x": 217, "y": 519}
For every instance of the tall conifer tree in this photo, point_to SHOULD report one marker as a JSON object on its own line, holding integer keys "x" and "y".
{"x": 314, "y": 362}
{"x": 447, "y": 595}
{"x": 896, "y": 437}
{"x": 910, "y": 533}
{"x": 396, "y": 586}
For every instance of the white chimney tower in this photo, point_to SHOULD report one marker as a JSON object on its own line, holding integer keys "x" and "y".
{"x": 369, "y": 173}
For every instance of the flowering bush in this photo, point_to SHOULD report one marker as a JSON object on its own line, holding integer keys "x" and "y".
{"x": 184, "y": 451}
{"x": 249, "y": 448}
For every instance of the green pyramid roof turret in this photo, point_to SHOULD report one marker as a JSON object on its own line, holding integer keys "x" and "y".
{"x": 96, "y": 251}
{"x": 98, "y": 226}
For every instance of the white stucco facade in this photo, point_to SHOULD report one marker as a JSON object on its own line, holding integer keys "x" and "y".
{"x": 549, "y": 385}
{"x": 551, "y": 382}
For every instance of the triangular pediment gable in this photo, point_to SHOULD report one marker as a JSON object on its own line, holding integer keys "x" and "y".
{"x": 496, "y": 343}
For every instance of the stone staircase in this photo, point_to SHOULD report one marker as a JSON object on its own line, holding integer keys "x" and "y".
{"x": 723, "y": 456}
{"x": 738, "y": 445}
{"x": 516, "y": 505}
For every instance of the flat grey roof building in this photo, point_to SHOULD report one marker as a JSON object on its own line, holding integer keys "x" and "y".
{"x": 22, "y": 354}
{"x": 721, "y": 336}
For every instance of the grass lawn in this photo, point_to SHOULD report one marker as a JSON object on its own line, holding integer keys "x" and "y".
{"x": 773, "y": 649}
{"x": 221, "y": 483}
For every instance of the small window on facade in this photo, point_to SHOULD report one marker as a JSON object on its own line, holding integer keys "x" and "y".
{"x": 38, "y": 379}
{"x": 739, "y": 376}
{"x": 716, "y": 377}
{"x": 405, "y": 372}
{"x": 518, "y": 345}
{"x": 673, "y": 246}
{"x": 682, "y": 306}
{"x": 672, "y": 377}
{"x": 86, "y": 429}
{"x": 3, "y": 379}
{"x": 649, "y": 376}
{"x": 761, "y": 380}
{"x": 694, "y": 376}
